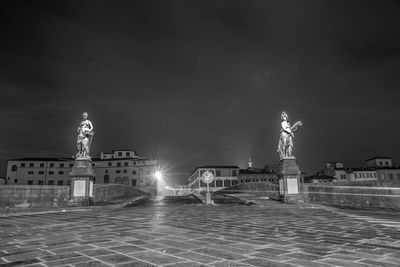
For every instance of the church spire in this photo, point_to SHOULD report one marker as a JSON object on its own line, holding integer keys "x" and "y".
{"x": 250, "y": 163}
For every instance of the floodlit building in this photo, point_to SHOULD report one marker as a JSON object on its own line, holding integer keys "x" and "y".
{"x": 224, "y": 176}
{"x": 118, "y": 167}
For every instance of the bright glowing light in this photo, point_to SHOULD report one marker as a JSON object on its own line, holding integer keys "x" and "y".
{"x": 158, "y": 175}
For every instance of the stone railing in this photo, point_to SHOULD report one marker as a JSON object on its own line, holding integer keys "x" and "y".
{"x": 352, "y": 196}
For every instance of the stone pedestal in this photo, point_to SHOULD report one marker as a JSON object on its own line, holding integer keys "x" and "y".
{"x": 289, "y": 180}
{"x": 82, "y": 178}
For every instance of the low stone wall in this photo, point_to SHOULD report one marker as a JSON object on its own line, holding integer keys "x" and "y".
{"x": 352, "y": 196}
{"x": 110, "y": 192}
{"x": 32, "y": 196}
{"x": 267, "y": 189}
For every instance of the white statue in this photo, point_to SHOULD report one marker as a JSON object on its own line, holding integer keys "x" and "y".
{"x": 285, "y": 146}
{"x": 85, "y": 136}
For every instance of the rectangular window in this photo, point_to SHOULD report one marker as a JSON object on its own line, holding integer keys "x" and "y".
{"x": 118, "y": 171}
{"x": 71, "y": 164}
{"x": 30, "y": 172}
{"x": 51, "y": 165}
{"x": 22, "y": 164}
{"x": 133, "y": 182}
{"x": 51, "y": 172}
{"x": 125, "y": 171}
{"x": 41, "y": 165}
{"x": 60, "y": 182}
{"x": 234, "y": 182}
{"x": 127, "y": 154}
{"x": 41, "y": 172}
{"x": 125, "y": 163}
{"x": 234, "y": 172}
{"x": 15, "y": 180}
{"x": 118, "y": 164}
{"x": 31, "y": 165}
{"x": 40, "y": 182}
{"x": 109, "y": 164}
{"x": 61, "y": 165}
{"x": 218, "y": 173}
{"x": 50, "y": 182}
{"x": 133, "y": 172}
{"x": 227, "y": 183}
{"x": 390, "y": 176}
{"x": 219, "y": 183}
{"x": 30, "y": 182}
{"x": 60, "y": 172}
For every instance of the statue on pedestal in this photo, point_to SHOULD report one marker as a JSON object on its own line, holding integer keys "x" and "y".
{"x": 85, "y": 136}
{"x": 285, "y": 146}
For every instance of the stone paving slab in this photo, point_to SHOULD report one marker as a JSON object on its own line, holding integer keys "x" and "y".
{"x": 197, "y": 235}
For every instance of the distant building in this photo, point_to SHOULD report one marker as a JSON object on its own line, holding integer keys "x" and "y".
{"x": 319, "y": 178}
{"x": 224, "y": 176}
{"x": 252, "y": 174}
{"x": 378, "y": 169}
{"x": 118, "y": 167}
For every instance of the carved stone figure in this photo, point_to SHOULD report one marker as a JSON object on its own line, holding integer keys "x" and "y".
{"x": 85, "y": 136}
{"x": 285, "y": 146}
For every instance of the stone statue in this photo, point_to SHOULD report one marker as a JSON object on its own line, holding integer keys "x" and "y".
{"x": 285, "y": 146}
{"x": 85, "y": 136}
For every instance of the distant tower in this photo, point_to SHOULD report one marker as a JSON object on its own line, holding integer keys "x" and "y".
{"x": 250, "y": 163}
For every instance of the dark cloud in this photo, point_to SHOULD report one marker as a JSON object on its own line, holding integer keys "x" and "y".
{"x": 201, "y": 82}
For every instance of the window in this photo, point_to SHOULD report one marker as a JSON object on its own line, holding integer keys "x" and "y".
{"x": 15, "y": 180}
{"x": 60, "y": 182}
{"x": 133, "y": 172}
{"x": 218, "y": 173}
{"x": 234, "y": 182}
{"x": 109, "y": 164}
{"x": 51, "y": 172}
{"x": 51, "y": 165}
{"x": 30, "y": 182}
{"x": 41, "y": 165}
{"x": 41, "y": 172}
{"x": 127, "y": 154}
{"x": 70, "y": 165}
{"x": 40, "y": 182}
{"x": 106, "y": 171}
{"x": 30, "y": 172}
{"x": 234, "y": 172}
{"x": 227, "y": 183}
{"x": 387, "y": 163}
{"x": 22, "y": 164}
{"x": 93, "y": 164}
{"x": 125, "y": 171}
{"x": 119, "y": 154}
{"x": 50, "y": 182}
{"x": 133, "y": 182}
{"x": 118, "y": 164}
{"x": 391, "y": 176}
{"x": 61, "y": 165}
{"x": 106, "y": 179}
{"x": 31, "y": 165}
{"x": 118, "y": 171}
{"x": 126, "y": 163}
{"x": 219, "y": 183}
{"x": 14, "y": 168}
{"x": 61, "y": 172}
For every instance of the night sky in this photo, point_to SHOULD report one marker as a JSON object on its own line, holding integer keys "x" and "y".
{"x": 201, "y": 82}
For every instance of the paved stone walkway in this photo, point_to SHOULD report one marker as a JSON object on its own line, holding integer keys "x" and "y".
{"x": 197, "y": 235}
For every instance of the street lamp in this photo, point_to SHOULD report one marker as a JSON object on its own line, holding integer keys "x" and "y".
{"x": 158, "y": 175}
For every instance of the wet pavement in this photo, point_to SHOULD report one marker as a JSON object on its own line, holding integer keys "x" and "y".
{"x": 178, "y": 233}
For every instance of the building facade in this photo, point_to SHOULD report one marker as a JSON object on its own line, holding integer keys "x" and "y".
{"x": 118, "y": 167}
{"x": 224, "y": 176}
{"x": 252, "y": 174}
